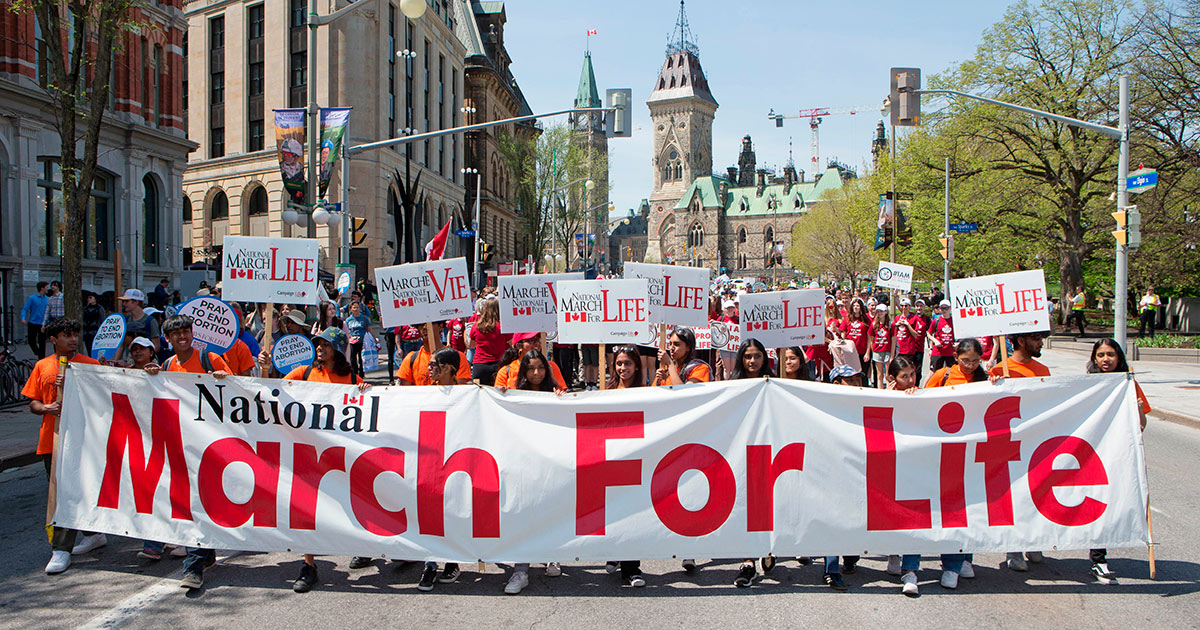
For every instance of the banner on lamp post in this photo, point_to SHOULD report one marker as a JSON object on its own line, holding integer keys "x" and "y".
{"x": 289, "y": 140}
{"x": 333, "y": 130}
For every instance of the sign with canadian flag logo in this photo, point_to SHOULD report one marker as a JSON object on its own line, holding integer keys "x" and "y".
{"x": 421, "y": 292}
{"x": 603, "y": 311}
{"x": 780, "y": 319}
{"x": 277, "y": 270}
{"x": 1002, "y": 304}
{"x": 530, "y": 303}
{"x": 678, "y": 295}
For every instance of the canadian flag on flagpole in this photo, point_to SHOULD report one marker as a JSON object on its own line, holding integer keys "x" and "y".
{"x": 437, "y": 245}
{"x": 591, "y": 31}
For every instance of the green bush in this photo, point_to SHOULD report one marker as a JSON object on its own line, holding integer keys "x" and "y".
{"x": 1163, "y": 341}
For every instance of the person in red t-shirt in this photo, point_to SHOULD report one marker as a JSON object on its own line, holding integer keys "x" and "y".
{"x": 941, "y": 339}
{"x": 488, "y": 341}
{"x": 881, "y": 344}
{"x": 456, "y": 334}
{"x": 909, "y": 330}
{"x": 857, "y": 327}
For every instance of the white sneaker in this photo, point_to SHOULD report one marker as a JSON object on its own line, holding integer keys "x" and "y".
{"x": 1016, "y": 562}
{"x": 1035, "y": 557}
{"x": 949, "y": 580}
{"x": 909, "y": 580}
{"x": 88, "y": 543}
{"x": 59, "y": 561}
{"x": 967, "y": 571}
{"x": 517, "y": 583}
{"x": 553, "y": 570}
{"x": 179, "y": 551}
{"x": 893, "y": 567}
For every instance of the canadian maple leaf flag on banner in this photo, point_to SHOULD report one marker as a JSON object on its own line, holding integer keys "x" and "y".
{"x": 437, "y": 246}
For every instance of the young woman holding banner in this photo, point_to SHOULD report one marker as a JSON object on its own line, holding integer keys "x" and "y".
{"x": 751, "y": 363}
{"x": 882, "y": 344}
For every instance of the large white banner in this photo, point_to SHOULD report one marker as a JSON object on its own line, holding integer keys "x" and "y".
{"x": 781, "y": 319}
{"x": 1002, "y": 304}
{"x": 529, "y": 303}
{"x": 678, "y": 295}
{"x": 420, "y": 292}
{"x": 734, "y": 469}
{"x": 278, "y": 270}
{"x": 603, "y": 311}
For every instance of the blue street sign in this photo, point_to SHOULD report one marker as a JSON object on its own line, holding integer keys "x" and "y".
{"x": 1141, "y": 180}
{"x": 963, "y": 228}
{"x": 465, "y": 233}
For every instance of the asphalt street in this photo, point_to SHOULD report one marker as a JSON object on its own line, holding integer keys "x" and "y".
{"x": 111, "y": 587}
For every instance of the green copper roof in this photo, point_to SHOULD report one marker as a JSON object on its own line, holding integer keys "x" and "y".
{"x": 745, "y": 201}
{"x": 587, "y": 95}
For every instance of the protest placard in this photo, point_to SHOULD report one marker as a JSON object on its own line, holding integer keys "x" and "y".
{"x": 530, "y": 303}
{"x": 894, "y": 276}
{"x": 421, "y": 292}
{"x": 108, "y": 337}
{"x": 215, "y": 325}
{"x": 724, "y": 336}
{"x": 779, "y": 319}
{"x": 276, "y": 270}
{"x": 291, "y": 351}
{"x": 678, "y": 295}
{"x": 603, "y": 311}
{"x": 1001, "y": 304}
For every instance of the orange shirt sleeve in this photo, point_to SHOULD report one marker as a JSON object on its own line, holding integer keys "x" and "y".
{"x": 297, "y": 374}
{"x": 935, "y": 379}
{"x": 558, "y": 377}
{"x": 464, "y": 368}
{"x": 405, "y": 372}
{"x": 219, "y": 364}
{"x": 33, "y": 387}
{"x": 1143, "y": 404}
{"x": 700, "y": 374}
{"x": 502, "y": 377}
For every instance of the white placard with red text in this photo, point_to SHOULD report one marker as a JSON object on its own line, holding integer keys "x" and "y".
{"x": 678, "y": 295}
{"x": 429, "y": 291}
{"x": 1003, "y": 304}
{"x": 529, "y": 303}
{"x": 724, "y": 335}
{"x": 603, "y": 311}
{"x": 781, "y": 319}
{"x": 277, "y": 270}
{"x": 734, "y": 469}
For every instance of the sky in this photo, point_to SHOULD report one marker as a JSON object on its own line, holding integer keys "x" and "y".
{"x": 757, "y": 55}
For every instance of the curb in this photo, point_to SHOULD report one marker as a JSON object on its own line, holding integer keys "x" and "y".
{"x": 16, "y": 461}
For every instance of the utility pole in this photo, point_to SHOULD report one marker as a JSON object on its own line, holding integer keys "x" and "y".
{"x": 946, "y": 228}
{"x": 1120, "y": 318}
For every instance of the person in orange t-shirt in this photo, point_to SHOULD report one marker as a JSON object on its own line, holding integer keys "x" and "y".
{"x": 506, "y": 376}
{"x": 414, "y": 369}
{"x": 678, "y": 363}
{"x": 42, "y": 391}
{"x": 239, "y": 359}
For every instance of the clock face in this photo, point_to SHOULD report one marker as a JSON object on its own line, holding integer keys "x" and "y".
{"x": 584, "y": 119}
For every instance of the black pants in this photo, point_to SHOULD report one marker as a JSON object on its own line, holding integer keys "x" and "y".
{"x": 1079, "y": 320}
{"x": 567, "y": 358}
{"x": 1099, "y": 556}
{"x": 941, "y": 362}
{"x": 485, "y": 373}
{"x": 390, "y": 338}
{"x": 36, "y": 339}
{"x": 356, "y": 364}
{"x": 1146, "y": 321}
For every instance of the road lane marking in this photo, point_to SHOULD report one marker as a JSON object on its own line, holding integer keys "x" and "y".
{"x": 133, "y": 605}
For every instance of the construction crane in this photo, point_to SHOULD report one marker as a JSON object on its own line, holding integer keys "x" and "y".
{"x": 814, "y": 117}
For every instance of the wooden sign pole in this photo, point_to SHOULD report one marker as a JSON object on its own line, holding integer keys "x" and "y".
{"x": 1150, "y": 543}
{"x": 603, "y": 366}
{"x": 268, "y": 325}
{"x": 52, "y": 493}
{"x": 1004, "y": 354}
{"x": 433, "y": 346}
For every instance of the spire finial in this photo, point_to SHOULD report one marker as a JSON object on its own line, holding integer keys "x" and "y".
{"x": 682, "y": 39}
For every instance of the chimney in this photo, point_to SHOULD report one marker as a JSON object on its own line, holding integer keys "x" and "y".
{"x": 762, "y": 181}
{"x": 731, "y": 173}
{"x": 789, "y": 175}
{"x": 800, "y": 176}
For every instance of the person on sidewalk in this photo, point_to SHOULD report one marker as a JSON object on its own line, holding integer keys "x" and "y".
{"x": 1077, "y": 300}
{"x": 139, "y": 323}
{"x": 1148, "y": 312}
{"x": 33, "y": 315}
{"x": 55, "y": 307}
{"x": 42, "y": 391}
{"x": 186, "y": 359}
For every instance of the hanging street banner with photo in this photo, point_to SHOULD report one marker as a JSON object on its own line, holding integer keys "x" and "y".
{"x": 678, "y": 295}
{"x": 429, "y": 291}
{"x": 1002, "y": 304}
{"x": 334, "y": 121}
{"x": 266, "y": 269}
{"x": 215, "y": 325}
{"x": 109, "y": 337}
{"x": 710, "y": 470}
{"x": 289, "y": 139}
{"x": 603, "y": 311}
{"x": 781, "y": 319}
{"x": 529, "y": 303}
{"x": 292, "y": 351}
{"x": 894, "y": 276}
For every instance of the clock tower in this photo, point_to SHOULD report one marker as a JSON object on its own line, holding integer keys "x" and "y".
{"x": 591, "y": 138}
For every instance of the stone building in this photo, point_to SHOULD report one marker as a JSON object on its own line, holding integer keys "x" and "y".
{"x": 627, "y": 237}
{"x": 590, "y": 138}
{"x": 136, "y": 198}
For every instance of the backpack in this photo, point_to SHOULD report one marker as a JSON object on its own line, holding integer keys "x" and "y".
{"x": 205, "y": 362}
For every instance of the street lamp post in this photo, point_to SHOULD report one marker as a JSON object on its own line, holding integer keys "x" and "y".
{"x": 475, "y": 223}
{"x": 588, "y": 186}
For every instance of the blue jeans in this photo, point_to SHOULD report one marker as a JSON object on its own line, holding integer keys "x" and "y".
{"x": 950, "y": 561}
{"x": 197, "y": 559}
{"x": 154, "y": 546}
{"x": 832, "y": 566}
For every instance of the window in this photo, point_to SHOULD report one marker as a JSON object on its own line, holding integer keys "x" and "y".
{"x": 41, "y": 69}
{"x": 297, "y": 53}
{"x": 391, "y": 88}
{"x": 216, "y": 87}
{"x": 158, "y": 83}
{"x": 426, "y": 102}
{"x": 183, "y": 89}
{"x": 255, "y": 80}
{"x": 454, "y": 123}
{"x": 150, "y": 210}
{"x": 258, "y": 202}
{"x": 696, "y": 236}
{"x": 441, "y": 162}
{"x": 741, "y": 238}
{"x": 187, "y": 210}
{"x": 769, "y": 247}
{"x": 220, "y": 206}
{"x": 146, "y": 82}
{"x": 97, "y": 219}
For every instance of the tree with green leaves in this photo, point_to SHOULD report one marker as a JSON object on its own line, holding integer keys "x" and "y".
{"x": 836, "y": 236}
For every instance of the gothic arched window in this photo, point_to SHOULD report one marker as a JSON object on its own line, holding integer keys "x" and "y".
{"x": 696, "y": 236}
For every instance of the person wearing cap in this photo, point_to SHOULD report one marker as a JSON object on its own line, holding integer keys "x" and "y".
{"x": 328, "y": 366}
{"x": 291, "y": 323}
{"x": 941, "y": 338}
{"x": 290, "y": 151}
{"x": 523, "y": 343}
{"x": 138, "y": 322}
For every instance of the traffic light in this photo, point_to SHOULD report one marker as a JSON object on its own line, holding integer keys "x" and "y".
{"x": 947, "y": 246}
{"x": 358, "y": 234}
{"x": 1129, "y": 227}
{"x": 485, "y": 252}
{"x": 906, "y": 102}
{"x": 617, "y": 121}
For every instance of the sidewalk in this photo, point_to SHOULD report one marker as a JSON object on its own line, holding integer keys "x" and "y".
{"x": 1172, "y": 388}
{"x": 18, "y": 436}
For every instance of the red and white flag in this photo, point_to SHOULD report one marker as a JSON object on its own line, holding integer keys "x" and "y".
{"x": 436, "y": 247}
{"x": 591, "y": 31}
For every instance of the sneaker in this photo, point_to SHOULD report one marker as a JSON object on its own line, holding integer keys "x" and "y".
{"x": 553, "y": 570}
{"x": 967, "y": 570}
{"x": 59, "y": 561}
{"x": 1102, "y": 574}
{"x": 909, "y": 582}
{"x": 745, "y": 576}
{"x": 636, "y": 580}
{"x": 449, "y": 573}
{"x": 949, "y": 579}
{"x": 360, "y": 562}
{"x": 689, "y": 565}
{"x": 804, "y": 560}
{"x": 191, "y": 580}
{"x": 611, "y": 567}
{"x": 307, "y": 579}
{"x": 768, "y": 563}
{"x": 149, "y": 553}
{"x": 428, "y": 577}
{"x": 88, "y": 543}
{"x": 893, "y": 567}
{"x": 835, "y": 582}
{"x": 849, "y": 567}
{"x": 517, "y": 583}
{"x": 1015, "y": 562}
{"x": 1035, "y": 557}
{"x": 178, "y": 552}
